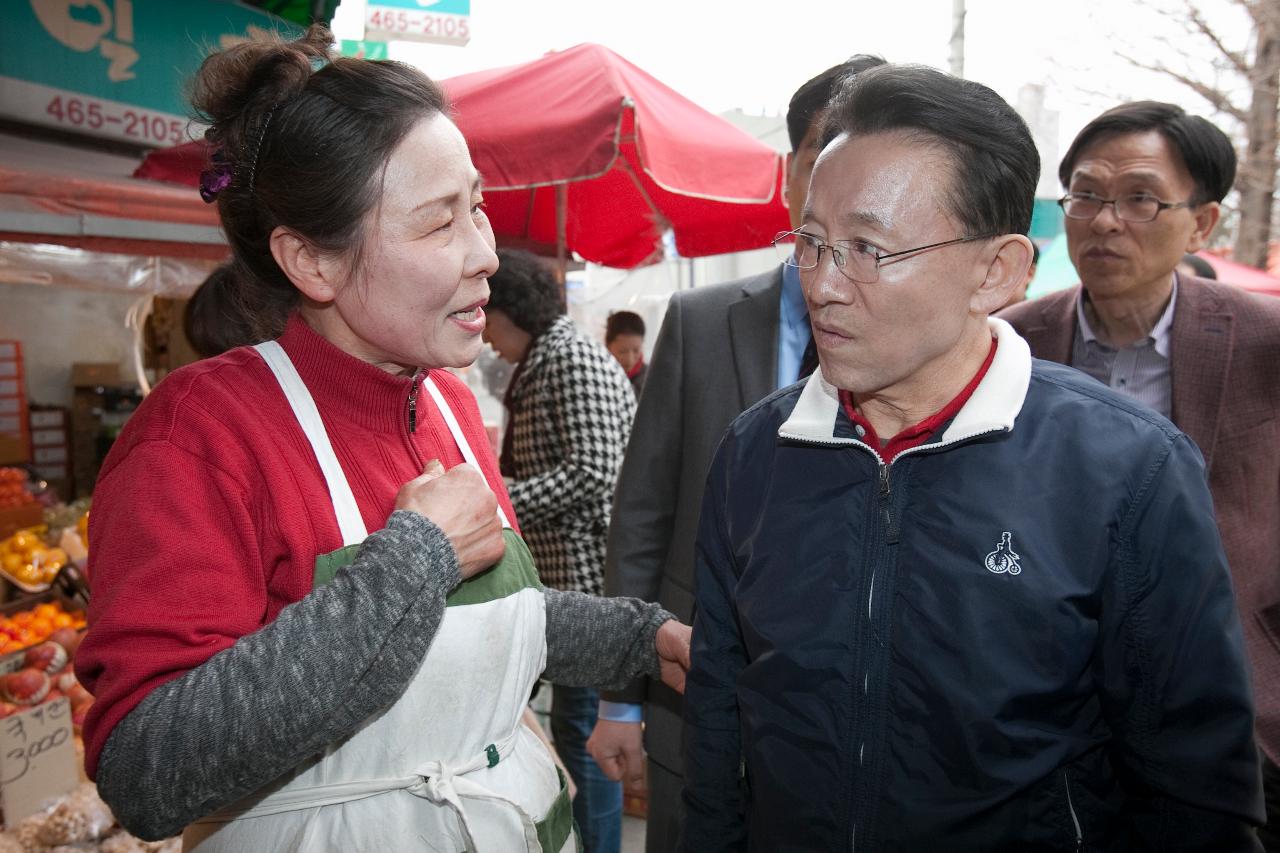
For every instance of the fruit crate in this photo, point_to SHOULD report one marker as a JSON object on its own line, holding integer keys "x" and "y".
{"x": 12, "y": 661}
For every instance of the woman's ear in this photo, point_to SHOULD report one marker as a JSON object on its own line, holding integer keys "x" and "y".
{"x": 314, "y": 273}
{"x": 1006, "y": 273}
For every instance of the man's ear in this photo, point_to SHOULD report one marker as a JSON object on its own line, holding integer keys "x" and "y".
{"x": 1007, "y": 269}
{"x": 1207, "y": 216}
{"x": 314, "y": 273}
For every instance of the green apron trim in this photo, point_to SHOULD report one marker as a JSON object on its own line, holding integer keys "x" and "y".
{"x": 513, "y": 573}
{"x": 327, "y": 565}
{"x": 554, "y": 829}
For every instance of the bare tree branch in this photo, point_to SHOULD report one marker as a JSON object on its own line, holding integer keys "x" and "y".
{"x": 1215, "y": 97}
{"x": 1235, "y": 57}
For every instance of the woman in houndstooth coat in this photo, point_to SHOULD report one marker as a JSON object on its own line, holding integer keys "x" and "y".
{"x": 569, "y": 410}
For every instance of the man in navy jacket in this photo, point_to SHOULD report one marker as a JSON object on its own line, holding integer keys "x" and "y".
{"x": 950, "y": 597}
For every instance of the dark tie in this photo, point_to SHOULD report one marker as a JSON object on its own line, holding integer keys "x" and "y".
{"x": 808, "y": 361}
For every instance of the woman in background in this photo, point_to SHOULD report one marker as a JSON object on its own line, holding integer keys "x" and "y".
{"x": 569, "y": 413}
{"x": 624, "y": 338}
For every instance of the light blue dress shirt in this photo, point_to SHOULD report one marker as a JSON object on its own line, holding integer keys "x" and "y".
{"x": 793, "y": 327}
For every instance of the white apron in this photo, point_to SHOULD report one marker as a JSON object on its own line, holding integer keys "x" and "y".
{"x": 448, "y": 767}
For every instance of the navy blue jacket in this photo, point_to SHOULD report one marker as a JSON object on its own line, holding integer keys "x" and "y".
{"x": 1019, "y": 636}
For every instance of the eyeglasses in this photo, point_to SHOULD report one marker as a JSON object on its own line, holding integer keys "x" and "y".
{"x": 857, "y": 260}
{"x": 1138, "y": 207}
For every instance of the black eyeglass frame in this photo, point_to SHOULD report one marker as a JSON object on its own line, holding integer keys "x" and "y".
{"x": 1161, "y": 206}
{"x": 837, "y": 253}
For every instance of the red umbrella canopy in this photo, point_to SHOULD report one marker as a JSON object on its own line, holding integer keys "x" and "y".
{"x": 1244, "y": 276}
{"x": 630, "y": 157}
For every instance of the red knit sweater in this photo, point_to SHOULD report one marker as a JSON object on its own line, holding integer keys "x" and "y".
{"x": 210, "y": 508}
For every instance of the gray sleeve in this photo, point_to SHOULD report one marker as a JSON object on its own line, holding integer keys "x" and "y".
{"x": 279, "y": 696}
{"x": 600, "y": 642}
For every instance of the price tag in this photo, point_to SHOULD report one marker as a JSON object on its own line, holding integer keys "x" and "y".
{"x": 37, "y": 759}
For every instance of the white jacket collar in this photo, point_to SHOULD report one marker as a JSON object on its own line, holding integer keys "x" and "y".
{"x": 994, "y": 406}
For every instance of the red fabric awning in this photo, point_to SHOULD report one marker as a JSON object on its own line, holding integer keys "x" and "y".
{"x": 53, "y": 193}
{"x": 634, "y": 158}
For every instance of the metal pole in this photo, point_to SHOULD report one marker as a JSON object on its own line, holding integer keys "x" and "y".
{"x": 562, "y": 211}
{"x": 957, "y": 38}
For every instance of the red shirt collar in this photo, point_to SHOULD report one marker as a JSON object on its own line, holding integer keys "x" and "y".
{"x": 917, "y": 434}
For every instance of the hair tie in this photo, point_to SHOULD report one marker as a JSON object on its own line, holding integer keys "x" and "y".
{"x": 215, "y": 179}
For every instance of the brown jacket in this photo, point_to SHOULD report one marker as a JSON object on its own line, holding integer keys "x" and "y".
{"x": 1225, "y": 372}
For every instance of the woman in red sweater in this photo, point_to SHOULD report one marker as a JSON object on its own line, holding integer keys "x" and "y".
{"x": 269, "y": 673}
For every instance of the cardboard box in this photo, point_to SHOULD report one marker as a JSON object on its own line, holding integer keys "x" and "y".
{"x": 18, "y": 517}
{"x": 87, "y": 374}
{"x": 45, "y": 455}
{"x": 44, "y": 418}
{"x": 48, "y": 437}
{"x": 55, "y": 471}
{"x": 14, "y": 450}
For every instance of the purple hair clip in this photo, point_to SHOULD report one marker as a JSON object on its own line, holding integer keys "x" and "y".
{"x": 216, "y": 178}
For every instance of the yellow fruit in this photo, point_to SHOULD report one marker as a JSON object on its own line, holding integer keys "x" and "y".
{"x": 27, "y": 573}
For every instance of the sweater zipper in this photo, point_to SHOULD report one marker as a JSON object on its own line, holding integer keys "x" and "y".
{"x": 413, "y": 403}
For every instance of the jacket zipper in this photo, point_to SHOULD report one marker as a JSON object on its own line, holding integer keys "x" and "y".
{"x": 413, "y": 404}
{"x": 886, "y": 506}
{"x": 885, "y": 494}
{"x": 1066, "y": 786}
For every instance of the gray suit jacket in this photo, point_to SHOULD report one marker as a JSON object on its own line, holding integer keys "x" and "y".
{"x": 1225, "y": 372}
{"x": 716, "y": 355}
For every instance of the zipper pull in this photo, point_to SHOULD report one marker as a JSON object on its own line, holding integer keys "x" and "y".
{"x": 413, "y": 405}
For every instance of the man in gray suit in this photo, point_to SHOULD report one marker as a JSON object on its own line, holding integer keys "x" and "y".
{"x": 721, "y": 349}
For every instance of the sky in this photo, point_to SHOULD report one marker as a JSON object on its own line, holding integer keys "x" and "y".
{"x": 751, "y": 55}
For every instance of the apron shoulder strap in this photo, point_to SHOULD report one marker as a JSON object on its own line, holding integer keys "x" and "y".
{"x": 456, "y": 430}
{"x": 350, "y": 523}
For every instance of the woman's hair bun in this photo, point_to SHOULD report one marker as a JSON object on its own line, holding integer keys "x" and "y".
{"x": 235, "y": 88}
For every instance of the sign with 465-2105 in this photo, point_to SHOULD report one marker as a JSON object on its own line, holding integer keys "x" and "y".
{"x": 107, "y": 118}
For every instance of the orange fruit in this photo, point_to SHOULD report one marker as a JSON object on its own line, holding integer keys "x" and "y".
{"x": 42, "y": 626}
{"x": 46, "y": 611}
{"x": 23, "y": 618}
{"x": 24, "y": 541}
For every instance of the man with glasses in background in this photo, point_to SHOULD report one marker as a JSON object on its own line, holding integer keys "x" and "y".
{"x": 950, "y": 597}
{"x": 1144, "y": 181}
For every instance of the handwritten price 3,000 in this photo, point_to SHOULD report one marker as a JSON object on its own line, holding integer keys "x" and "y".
{"x": 18, "y": 761}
